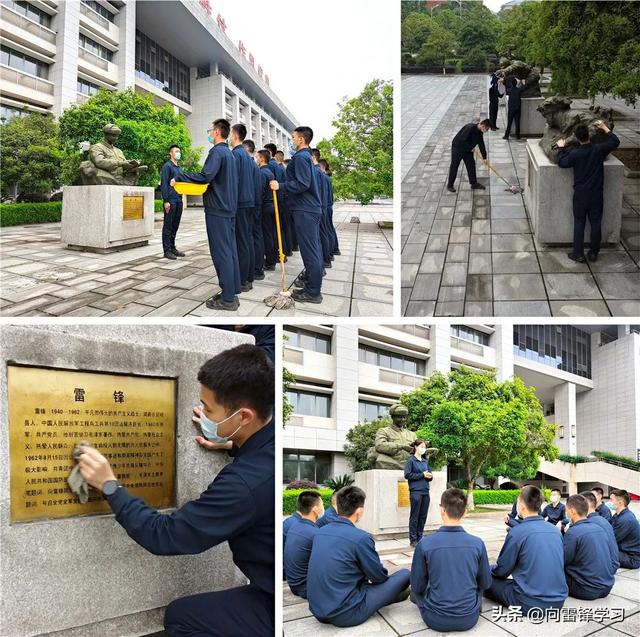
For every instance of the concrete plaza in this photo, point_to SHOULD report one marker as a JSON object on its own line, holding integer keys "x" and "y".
{"x": 39, "y": 277}
{"x": 473, "y": 253}
{"x": 404, "y": 618}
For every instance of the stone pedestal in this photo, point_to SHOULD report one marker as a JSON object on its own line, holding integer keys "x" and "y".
{"x": 83, "y": 575}
{"x": 549, "y": 197}
{"x": 531, "y": 121}
{"x": 107, "y": 218}
{"x": 386, "y": 510}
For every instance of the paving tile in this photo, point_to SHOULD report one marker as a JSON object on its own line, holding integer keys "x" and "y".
{"x": 515, "y": 262}
{"x": 620, "y": 285}
{"x": 571, "y": 286}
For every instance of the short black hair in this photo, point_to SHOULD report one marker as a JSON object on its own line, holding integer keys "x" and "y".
{"x": 272, "y": 148}
{"x": 589, "y": 497}
{"x": 556, "y": 490}
{"x": 581, "y": 132}
{"x": 306, "y": 501}
{"x": 174, "y": 146}
{"x": 486, "y": 122}
{"x": 265, "y": 154}
{"x": 579, "y": 504}
{"x": 279, "y": 152}
{"x": 349, "y": 499}
{"x": 531, "y": 497}
{"x": 325, "y": 164}
{"x": 250, "y": 144}
{"x": 621, "y": 493}
{"x": 305, "y": 132}
{"x": 454, "y": 502}
{"x": 599, "y": 491}
{"x": 240, "y": 130}
{"x": 316, "y": 153}
{"x": 242, "y": 376}
{"x": 223, "y": 127}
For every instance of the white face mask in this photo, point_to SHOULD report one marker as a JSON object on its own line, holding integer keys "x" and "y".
{"x": 210, "y": 428}
{"x": 555, "y": 498}
{"x": 422, "y": 450}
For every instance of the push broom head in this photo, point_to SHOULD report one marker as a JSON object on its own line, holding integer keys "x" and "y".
{"x": 280, "y": 300}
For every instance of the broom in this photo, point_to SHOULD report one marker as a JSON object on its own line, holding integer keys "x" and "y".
{"x": 282, "y": 299}
{"x": 513, "y": 188}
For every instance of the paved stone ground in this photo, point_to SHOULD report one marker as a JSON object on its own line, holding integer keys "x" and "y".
{"x": 404, "y": 618}
{"x": 39, "y": 277}
{"x": 472, "y": 253}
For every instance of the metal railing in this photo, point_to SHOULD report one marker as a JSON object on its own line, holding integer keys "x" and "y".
{"x": 38, "y": 30}
{"x": 95, "y": 16}
{"x": 400, "y": 378}
{"x": 94, "y": 59}
{"x": 467, "y": 346}
{"x": 26, "y": 80}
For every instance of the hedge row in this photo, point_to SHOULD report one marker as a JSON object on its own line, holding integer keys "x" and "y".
{"x": 16, "y": 214}
{"x": 289, "y": 497}
{"x": 624, "y": 460}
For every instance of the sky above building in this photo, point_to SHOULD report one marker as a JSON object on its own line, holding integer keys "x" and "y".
{"x": 316, "y": 53}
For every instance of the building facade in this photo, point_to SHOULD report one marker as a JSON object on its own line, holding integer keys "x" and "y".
{"x": 586, "y": 378}
{"x": 58, "y": 53}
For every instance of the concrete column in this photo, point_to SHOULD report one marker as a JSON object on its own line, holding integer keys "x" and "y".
{"x": 345, "y": 391}
{"x": 502, "y": 342}
{"x": 125, "y": 20}
{"x": 440, "y": 352}
{"x": 65, "y": 69}
{"x": 624, "y": 330}
{"x": 565, "y": 416}
{"x": 236, "y": 108}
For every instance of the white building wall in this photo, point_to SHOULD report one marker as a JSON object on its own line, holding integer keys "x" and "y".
{"x": 345, "y": 389}
{"x": 64, "y": 71}
{"x": 126, "y": 55}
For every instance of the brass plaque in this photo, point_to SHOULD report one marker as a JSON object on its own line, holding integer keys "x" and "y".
{"x": 131, "y": 420}
{"x": 403, "y": 494}
{"x": 132, "y": 208}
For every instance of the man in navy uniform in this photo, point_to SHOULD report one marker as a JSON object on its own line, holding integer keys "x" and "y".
{"x": 325, "y": 234}
{"x": 598, "y": 520}
{"x": 220, "y": 200}
{"x": 326, "y": 169}
{"x": 587, "y": 162}
{"x": 278, "y": 169}
{"x": 587, "y": 557}
{"x": 555, "y": 511}
{"x": 514, "y": 104}
{"x": 172, "y": 204}
{"x": 347, "y": 582}
{"x": 331, "y": 514}
{"x": 237, "y": 396}
{"x": 258, "y": 240}
{"x": 467, "y": 138}
{"x": 288, "y": 228}
{"x": 626, "y": 529}
{"x": 450, "y": 569}
{"x": 496, "y": 91}
{"x": 601, "y": 508}
{"x": 303, "y": 198}
{"x": 533, "y": 554}
{"x": 269, "y": 233}
{"x": 246, "y": 202}
{"x": 512, "y": 518}
{"x": 297, "y": 550}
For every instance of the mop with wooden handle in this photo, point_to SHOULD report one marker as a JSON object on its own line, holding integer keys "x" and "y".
{"x": 513, "y": 188}
{"x": 281, "y": 300}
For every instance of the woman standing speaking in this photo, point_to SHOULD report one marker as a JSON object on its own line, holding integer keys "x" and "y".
{"x": 418, "y": 474}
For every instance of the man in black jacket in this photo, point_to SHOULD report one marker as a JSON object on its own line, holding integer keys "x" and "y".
{"x": 468, "y": 137}
{"x": 514, "y": 90}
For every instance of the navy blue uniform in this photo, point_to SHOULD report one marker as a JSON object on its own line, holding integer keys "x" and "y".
{"x": 467, "y": 138}
{"x": 494, "y": 97}
{"x": 269, "y": 233}
{"x": 627, "y": 531}
{"x": 279, "y": 175}
{"x": 513, "y": 108}
{"x": 303, "y": 198}
{"x": 325, "y": 234}
{"x": 343, "y": 562}
{"x": 330, "y": 199}
{"x": 244, "y": 217}
{"x": 258, "y": 239}
{"x": 450, "y": 569}
{"x": 514, "y": 518}
{"x": 330, "y": 515}
{"x": 220, "y": 201}
{"x": 418, "y": 495}
{"x": 588, "y": 189}
{"x": 604, "y": 511}
{"x": 611, "y": 538}
{"x": 238, "y": 508}
{"x": 171, "y": 219}
{"x": 296, "y": 554}
{"x": 587, "y": 561}
{"x": 555, "y": 514}
{"x": 533, "y": 553}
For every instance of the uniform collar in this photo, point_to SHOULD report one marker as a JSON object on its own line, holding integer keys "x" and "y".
{"x": 307, "y": 521}
{"x": 452, "y": 529}
{"x": 344, "y": 520}
{"x": 259, "y": 439}
{"x": 592, "y": 514}
{"x": 533, "y": 518}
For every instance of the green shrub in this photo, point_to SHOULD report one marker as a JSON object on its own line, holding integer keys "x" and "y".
{"x": 623, "y": 460}
{"x": 338, "y": 482}
{"x": 289, "y": 497}
{"x": 565, "y": 457}
{"x": 507, "y": 496}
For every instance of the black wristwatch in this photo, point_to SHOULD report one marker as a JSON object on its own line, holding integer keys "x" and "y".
{"x": 110, "y": 487}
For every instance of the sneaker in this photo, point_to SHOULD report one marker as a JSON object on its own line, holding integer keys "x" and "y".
{"x": 303, "y": 297}
{"x": 299, "y": 282}
{"x": 270, "y": 268}
{"x": 246, "y": 287}
{"x": 220, "y": 304}
{"x": 337, "y": 253}
{"x": 402, "y": 595}
{"x": 593, "y": 256}
{"x": 259, "y": 276}
{"x": 451, "y": 189}
{"x": 578, "y": 258}
{"x": 170, "y": 255}
{"x": 177, "y": 252}
{"x": 327, "y": 264}
{"x": 505, "y": 137}
{"x": 477, "y": 187}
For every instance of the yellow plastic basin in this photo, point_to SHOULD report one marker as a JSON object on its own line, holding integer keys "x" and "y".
{"x": 187, "y": 188}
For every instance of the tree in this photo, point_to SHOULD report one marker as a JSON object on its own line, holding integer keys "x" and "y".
{"x": 438, "y": 47}
{"x": 415, "y": 30}
{"x": 360, "y": 439}
{"x": 361, "y": 151}
{"x": 30, "y": 156}
{"x": 477, "y": 422}
{"x": 479, "y": 29}
{"x": 287, "y": 408}
{"x": 147, "y": 132}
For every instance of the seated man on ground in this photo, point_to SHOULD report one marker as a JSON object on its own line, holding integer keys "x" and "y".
{"x": 594, "y": 518}
{"x": 347, "y": 582}
{"x": 533, "y": 554}
{"x": 450, "y": 570}
{"x": 626, "y": 529}
{"x": 330, "y": 515}
{"x": 601, "y": 508}
{"x": 555, "y": 511}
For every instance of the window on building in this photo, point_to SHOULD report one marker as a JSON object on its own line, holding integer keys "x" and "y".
{"x": 160, "y": 68}
{"x": 22, "y": 62}
{"x": 98, "y": 8}
{"x": 96, "y": 48}
{"x": 203, "y": 71}
{"x": 309, "y": 403}
{"x": 391, "y": 360}
{"x": 469, "y": 334}
{"x": 87, "y": 88}
{"x": 306, "y": 339}
{"x": 306, "y": 465}
{"x": 7, "y": 113}
{"x": 370, "y": 411}
{"x": 29, "y": 11}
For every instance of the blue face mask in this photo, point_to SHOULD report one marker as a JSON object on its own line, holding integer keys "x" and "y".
{"x": 292, "y": 149}
{"x": 210, "y": 139}
{"x": 210, "y": 428}
{"x": 178, "y": 156}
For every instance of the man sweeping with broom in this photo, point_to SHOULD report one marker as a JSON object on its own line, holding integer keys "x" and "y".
{"x": 303, "y": 199}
